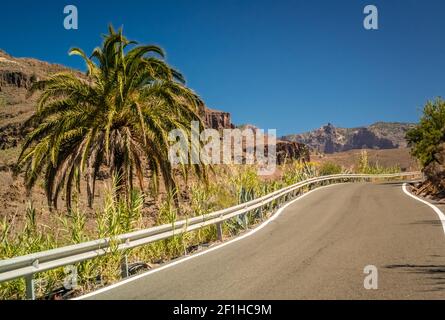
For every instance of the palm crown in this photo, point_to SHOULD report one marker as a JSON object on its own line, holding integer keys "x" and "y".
{"x": 119, "y": 116}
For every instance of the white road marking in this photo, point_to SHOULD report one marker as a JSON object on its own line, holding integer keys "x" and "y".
{"x": 174, "y": 263}
{"x": 439, "y": 213}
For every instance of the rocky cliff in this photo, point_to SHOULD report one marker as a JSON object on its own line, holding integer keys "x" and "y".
{"x": 217, "y": 119}
{"x": 290, "y": 150}
{"x": 14, "y": 78}
{"x": 330, "y": 139}
{"x": 285, "y": 150}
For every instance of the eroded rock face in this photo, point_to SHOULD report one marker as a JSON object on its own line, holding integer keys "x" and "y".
{"x": 216, "y": 119}
{"x": 15, "y": 78}
{"x": 364, "y": 138}
{"x": 287, "y": 150}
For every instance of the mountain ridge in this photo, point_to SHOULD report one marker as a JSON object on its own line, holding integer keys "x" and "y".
{"x": 330, "y": 139}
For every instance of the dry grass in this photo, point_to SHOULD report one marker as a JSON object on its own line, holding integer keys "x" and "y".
{"x": 385, "y": 158}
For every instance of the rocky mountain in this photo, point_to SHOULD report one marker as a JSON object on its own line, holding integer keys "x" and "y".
{"x": 217, "y": 119}
{"x": 330, "y": 139}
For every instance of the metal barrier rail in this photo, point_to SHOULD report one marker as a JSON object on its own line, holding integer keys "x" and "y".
{"x": 28, "y": 265}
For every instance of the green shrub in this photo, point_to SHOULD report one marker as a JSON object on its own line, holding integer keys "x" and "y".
{"x": 299, "y": 171}
{"x": 329, "y": 168}
{"x": 426, "y": 137}
{"x": 33, "y": 237}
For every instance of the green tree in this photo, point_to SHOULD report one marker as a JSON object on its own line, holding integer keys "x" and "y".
{"x": 118, "y": 115}
{"x": 426, "y": 137}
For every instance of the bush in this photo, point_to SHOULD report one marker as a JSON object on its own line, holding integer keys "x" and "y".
{"x": 329, "y": 168}
{"x": 426, "y": 137}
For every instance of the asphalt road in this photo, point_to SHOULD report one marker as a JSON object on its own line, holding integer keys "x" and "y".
{"x": 317, "y": 249}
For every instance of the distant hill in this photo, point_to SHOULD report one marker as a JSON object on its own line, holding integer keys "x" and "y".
{"x": 330, "y": 139}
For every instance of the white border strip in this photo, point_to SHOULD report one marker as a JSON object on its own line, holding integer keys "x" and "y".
{"x": 439, "y": 213}
{"x": 174, "y": 263}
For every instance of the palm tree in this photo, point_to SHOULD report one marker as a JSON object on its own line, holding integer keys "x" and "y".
{"x": 118, "y": 115}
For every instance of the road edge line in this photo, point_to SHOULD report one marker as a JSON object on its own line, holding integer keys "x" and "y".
{"x": 198, "y": 254}
{"x": 439, "y": 213}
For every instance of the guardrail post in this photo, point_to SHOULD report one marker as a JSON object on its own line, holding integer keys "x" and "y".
{"x": 124, "y": 267}
{"x": 30, "y": 287}
{"x": 219, "y": 231}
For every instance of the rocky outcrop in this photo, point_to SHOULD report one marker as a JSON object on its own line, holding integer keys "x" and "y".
{"x": 20, "y": 73}
{"x": 216, "y": 119}
{"x": 364, "y": 138}
{"x": 15, "y": 78}
{"x": 329, "y": 139}
{"x": 288, "y": 150}
{"x": 11, "y": 135}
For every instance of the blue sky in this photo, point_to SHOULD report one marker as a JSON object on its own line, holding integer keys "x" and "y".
{"x": 289, "y": 65}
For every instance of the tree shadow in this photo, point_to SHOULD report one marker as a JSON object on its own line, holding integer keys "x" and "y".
{"x": 436, "y": 223}
{"x": 393, "y": 183}
{"x": 433, "y": 272}
{"x": 419, "y": 268}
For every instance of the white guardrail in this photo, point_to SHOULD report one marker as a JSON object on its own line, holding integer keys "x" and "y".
{"x": 28, "y": 265}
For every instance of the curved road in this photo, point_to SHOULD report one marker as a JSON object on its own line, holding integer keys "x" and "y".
{"x": 317, "y": 249}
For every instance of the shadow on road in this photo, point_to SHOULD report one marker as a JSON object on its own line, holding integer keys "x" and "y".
{"x": 393, "y": 183}
{"x": 433, "y": 272}
{"x": 419, "y": 268}
{"x": 436, "y": 223}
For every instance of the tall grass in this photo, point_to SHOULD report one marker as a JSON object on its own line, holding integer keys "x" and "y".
{"x": 329, "y": 168}
{"x": 367, "y": 167}
{"x": 33, "y": 237}
{"x": 299, "y": 171}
